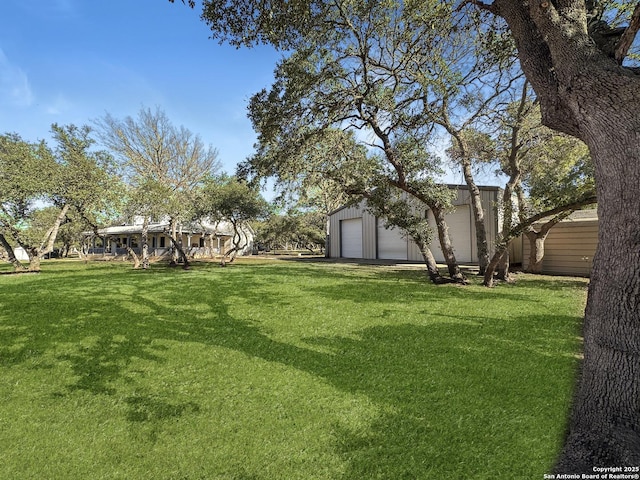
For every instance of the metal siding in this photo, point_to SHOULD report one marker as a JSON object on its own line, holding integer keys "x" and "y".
{"x": 569, "y": 248}
{"x": 369, "y": 241}
{"x": 515, "y": 250}
{"x": 463, "y": 233}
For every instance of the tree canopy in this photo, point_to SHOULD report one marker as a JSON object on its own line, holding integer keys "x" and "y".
{"x": 229, "y": 199}
{"x": 32, "y": 175}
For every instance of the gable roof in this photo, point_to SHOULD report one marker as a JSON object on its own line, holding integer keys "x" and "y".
{"x": 222, "y": 229}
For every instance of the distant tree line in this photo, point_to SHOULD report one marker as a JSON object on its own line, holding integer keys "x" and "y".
{"x": 149, "y": 169}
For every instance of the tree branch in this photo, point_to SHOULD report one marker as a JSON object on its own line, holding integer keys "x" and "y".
{"x": 582, "y": 202}
{"x": 477, "y": 3}
{"x": 624, "y": 44}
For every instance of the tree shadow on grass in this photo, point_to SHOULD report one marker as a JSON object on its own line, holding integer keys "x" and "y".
{"x": 454, "y": 396}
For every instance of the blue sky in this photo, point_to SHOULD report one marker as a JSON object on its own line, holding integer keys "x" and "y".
{"x": 71, "y": 61}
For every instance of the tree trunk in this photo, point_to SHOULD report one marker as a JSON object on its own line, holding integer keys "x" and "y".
{"x": 34, "y": 260}
{"x": 237, "y": 243}
{"x": 144, "y": 241}
{"x": 478, "y": 215}
{"x": 503, "y": 267}
{"x": 536, "y": 251}
{"x": 174, "y": 241}
{"x": 503, "y": 243}
{"x": 36, "y": 253}
{"x": 507, "y": 206}
{"x": 179, "y": 251}
{"x": 136, "y": 259}
{"x": 430, "y": 262}
{"x": 537, "y": 239}
{"x": 445, "y": 244}
{"x": 585, "y": 93}
{"x": 501, "y": 249}
{"x": 11, "y": 256}
{"x": 605, "y": 422}
{"x": 327, "y": 242}
{"x": 422, "y": 242}
{"x": 50, "y": 237}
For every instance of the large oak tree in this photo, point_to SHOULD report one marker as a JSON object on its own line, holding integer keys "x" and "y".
{"x": 585, "y": 91}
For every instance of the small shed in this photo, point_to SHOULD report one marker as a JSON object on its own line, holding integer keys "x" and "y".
{"x": 356, "y": 233}
{"x": 570, "y": 245}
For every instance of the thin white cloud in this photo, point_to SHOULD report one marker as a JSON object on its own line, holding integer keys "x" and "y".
{"x": 58, "y": 106}
{"x": 15, "y": 90}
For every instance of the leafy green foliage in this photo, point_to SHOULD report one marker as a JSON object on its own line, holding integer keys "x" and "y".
{"x": 28, "y": 174}
{"x": 73, "y": 176}
{"x": 228, "y": 198}
{"x": 292, "y": 230}
{"x": 553, "y": 169}
{"x": 561, "y": 172}
{"x": 89, "y": 180}
{"x": 351, "y": 104}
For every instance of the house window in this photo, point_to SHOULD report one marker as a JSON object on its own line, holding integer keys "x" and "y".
{"x": 201, "y": 243}
{"x": 162, "y": 244}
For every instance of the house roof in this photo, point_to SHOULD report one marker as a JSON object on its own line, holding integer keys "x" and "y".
{"x": 583, "y": 215}
{"x": 485, "y": 188}
{"x": 220, "y": 229}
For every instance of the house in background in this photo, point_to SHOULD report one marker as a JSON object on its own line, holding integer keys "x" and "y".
{"x": 356, "y": 233}
{"x": 570, "y": 245}
{"x": 200, "y": 240}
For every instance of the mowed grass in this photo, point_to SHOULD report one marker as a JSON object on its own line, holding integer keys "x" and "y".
{"x": 281, "y": 370}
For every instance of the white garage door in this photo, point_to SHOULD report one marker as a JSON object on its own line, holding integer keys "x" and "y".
{"x": 351, "y": 238}
{"x": 459, "y": 222}
{"x": 391, "y": 244}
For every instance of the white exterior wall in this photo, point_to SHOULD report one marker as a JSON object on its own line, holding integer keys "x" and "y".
{"x": 20, "y": 254}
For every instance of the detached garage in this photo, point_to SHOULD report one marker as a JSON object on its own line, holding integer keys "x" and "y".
{"x": 355, "y": 233}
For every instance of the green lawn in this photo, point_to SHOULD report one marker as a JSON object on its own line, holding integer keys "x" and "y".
{"x": 281, "y": 370}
